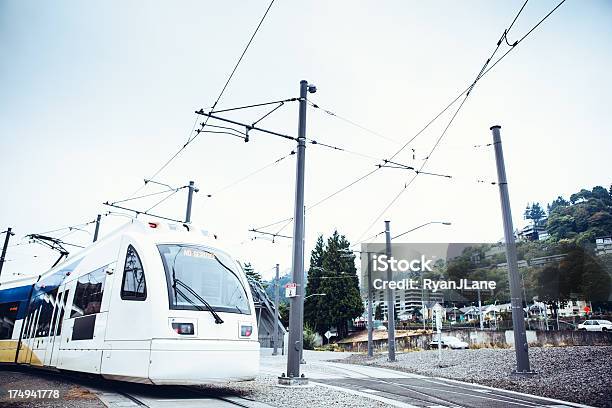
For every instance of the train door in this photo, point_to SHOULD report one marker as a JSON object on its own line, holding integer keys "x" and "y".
{"x": 43, "y": 329}
{"x": 54, "y": 334}
{"x": 82, "y": 338}
{"x": 59, "y": 323}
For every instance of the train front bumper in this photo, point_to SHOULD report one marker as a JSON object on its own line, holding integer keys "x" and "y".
{"x": 197, "y": 361}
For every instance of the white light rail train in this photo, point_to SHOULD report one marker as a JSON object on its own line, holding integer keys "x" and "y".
{"x": 150, "y": 303}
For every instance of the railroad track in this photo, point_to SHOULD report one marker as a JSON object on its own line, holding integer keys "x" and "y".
{"x": 137, "y": 393}
{"x": 419, "y": 395}
{"x": 191, "y": 393}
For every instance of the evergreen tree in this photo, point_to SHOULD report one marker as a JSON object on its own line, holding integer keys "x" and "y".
{"x": 378, "y": 313}
{"x": 586, "y": 217}
{"x": 250, "y": 272}
{"x": 311, "y": 305}
{"x": 343, "y": 301}
{"x": 332, "y": 272}
{"x": 535, "y": 213}
{"x": 559, "y": 202}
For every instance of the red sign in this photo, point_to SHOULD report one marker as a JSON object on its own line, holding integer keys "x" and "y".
{"x": 587, "y": 309}
{"x": 290, "y": 290}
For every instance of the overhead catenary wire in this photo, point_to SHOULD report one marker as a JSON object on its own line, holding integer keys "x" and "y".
{"x": 353, "y": 123}
{"x": 193, "y": 136}
{"x": 251, "y": 174}
{"x": 256, "y": 105}
{"x": 284, "y": 226}
{"x": 484, "y": 70}
{"x": 163, "y": 199}
{"x": 143, "y": 196}
{"x": 480, "y": 75}
{"x": 68, "y": 227}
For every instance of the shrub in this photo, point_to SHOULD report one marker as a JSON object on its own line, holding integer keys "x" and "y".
{"x": 309, "y": 338}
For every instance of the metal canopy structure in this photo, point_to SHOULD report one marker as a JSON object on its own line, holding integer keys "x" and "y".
{"x": 265, "y": 313}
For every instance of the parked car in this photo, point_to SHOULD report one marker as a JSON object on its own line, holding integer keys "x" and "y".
{"x": 595, "y": 325}
{"x": 448, "y": 342}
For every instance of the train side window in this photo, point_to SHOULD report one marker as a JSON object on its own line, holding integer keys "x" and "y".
{"x": 88, "y": 293}
{"x": 134, "y": 286}
{"x": 58, "y": 308}
{"x": 26, "y": 332}
{"x": 61, "y": 316}
{"x": 8, "y": 314}
{"x": 44, "y": 321}
{"x": 26, "y": 322}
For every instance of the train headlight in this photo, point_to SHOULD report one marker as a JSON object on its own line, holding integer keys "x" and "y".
{"x": 183, "y": 328}
{"x": 246, "y": 330}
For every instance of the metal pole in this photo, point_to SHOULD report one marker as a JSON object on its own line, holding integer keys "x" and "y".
{"x": 480, "y": 311}
{"x": 423, "y": 304}
{"x": 439, "y": 339}
{"x": 295, "y": 312}
{"x": 303, "y": 298}
{"x": 276, "y": 314}
{"x": 8, "y": 233}
{"x": 370, "y": 301}
{"x": 95, "y": 238}
{"x": 192, "y": 189}
{"x": 390, "y": 296}
{"x": 520, "y": 336}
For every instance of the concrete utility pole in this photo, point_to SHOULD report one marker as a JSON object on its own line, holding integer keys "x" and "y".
{"x": 520, "y": 337}
{"x": 192, "y": 188}
{"x": 8, "y": 233}
{"x": 295, "y": 313}
{"x": 276, "y": 314}
{"x": 95, "y": 238}
{"x": 390, "y": 296}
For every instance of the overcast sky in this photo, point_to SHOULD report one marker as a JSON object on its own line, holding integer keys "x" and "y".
{"x": 97, "y": 96}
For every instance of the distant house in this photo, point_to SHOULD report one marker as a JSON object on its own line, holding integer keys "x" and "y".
{"x": 428, "y": 309}
{"x": 454, "y": 314}
{"x": 603, "y": 245}
{"x": 572, "y": 308}
{"x": 531, "y": 233}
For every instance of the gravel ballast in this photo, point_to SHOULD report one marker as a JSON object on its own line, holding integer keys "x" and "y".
{"x": 71, "y": 395}
{"x": 580, "y": 374}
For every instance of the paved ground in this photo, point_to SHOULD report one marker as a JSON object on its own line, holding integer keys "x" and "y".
{"x": 582, "y": 374}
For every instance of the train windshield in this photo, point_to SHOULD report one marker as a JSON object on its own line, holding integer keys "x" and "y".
{"x": 200, "y": 278}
